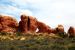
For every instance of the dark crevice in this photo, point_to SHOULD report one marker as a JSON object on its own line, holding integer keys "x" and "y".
{"x": 28, "y": 23}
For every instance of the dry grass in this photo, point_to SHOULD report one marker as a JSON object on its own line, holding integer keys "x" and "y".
{"x": 40, "y": 41}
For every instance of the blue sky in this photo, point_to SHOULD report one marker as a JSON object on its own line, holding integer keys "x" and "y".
{"x": 51, "y": 12}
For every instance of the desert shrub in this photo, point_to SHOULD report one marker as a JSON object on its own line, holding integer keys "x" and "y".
{"x": 36, "y": 42}
{"x": 71, "y": 48}
{"x": 18, "y": 34}
{"x": 62, "y": 34}
{"x": 58, "y": 47}
{"x": 3, "y": 33}
{"x": 59, "y": 41}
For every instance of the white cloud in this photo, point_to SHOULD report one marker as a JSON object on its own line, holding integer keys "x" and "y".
{"x": 26, "y": 12}
{"x": 52, "y": 12}
{"x": 5, "y": 14}
{"x": 14, "y": 11}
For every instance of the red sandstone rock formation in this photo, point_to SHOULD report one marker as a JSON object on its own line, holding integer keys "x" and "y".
{"x": 71, "y": 31}
{"x": 23, "y": 24}
{"x": 27, "y": 24}
{"x": 32, "y": 24}
{"x": 53, "y": 31}
{"x": 0, "y": 27}
{"x": 60, "y": 29}
{"x": 8, "y": 24}
{"x": 43, "y": 28}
